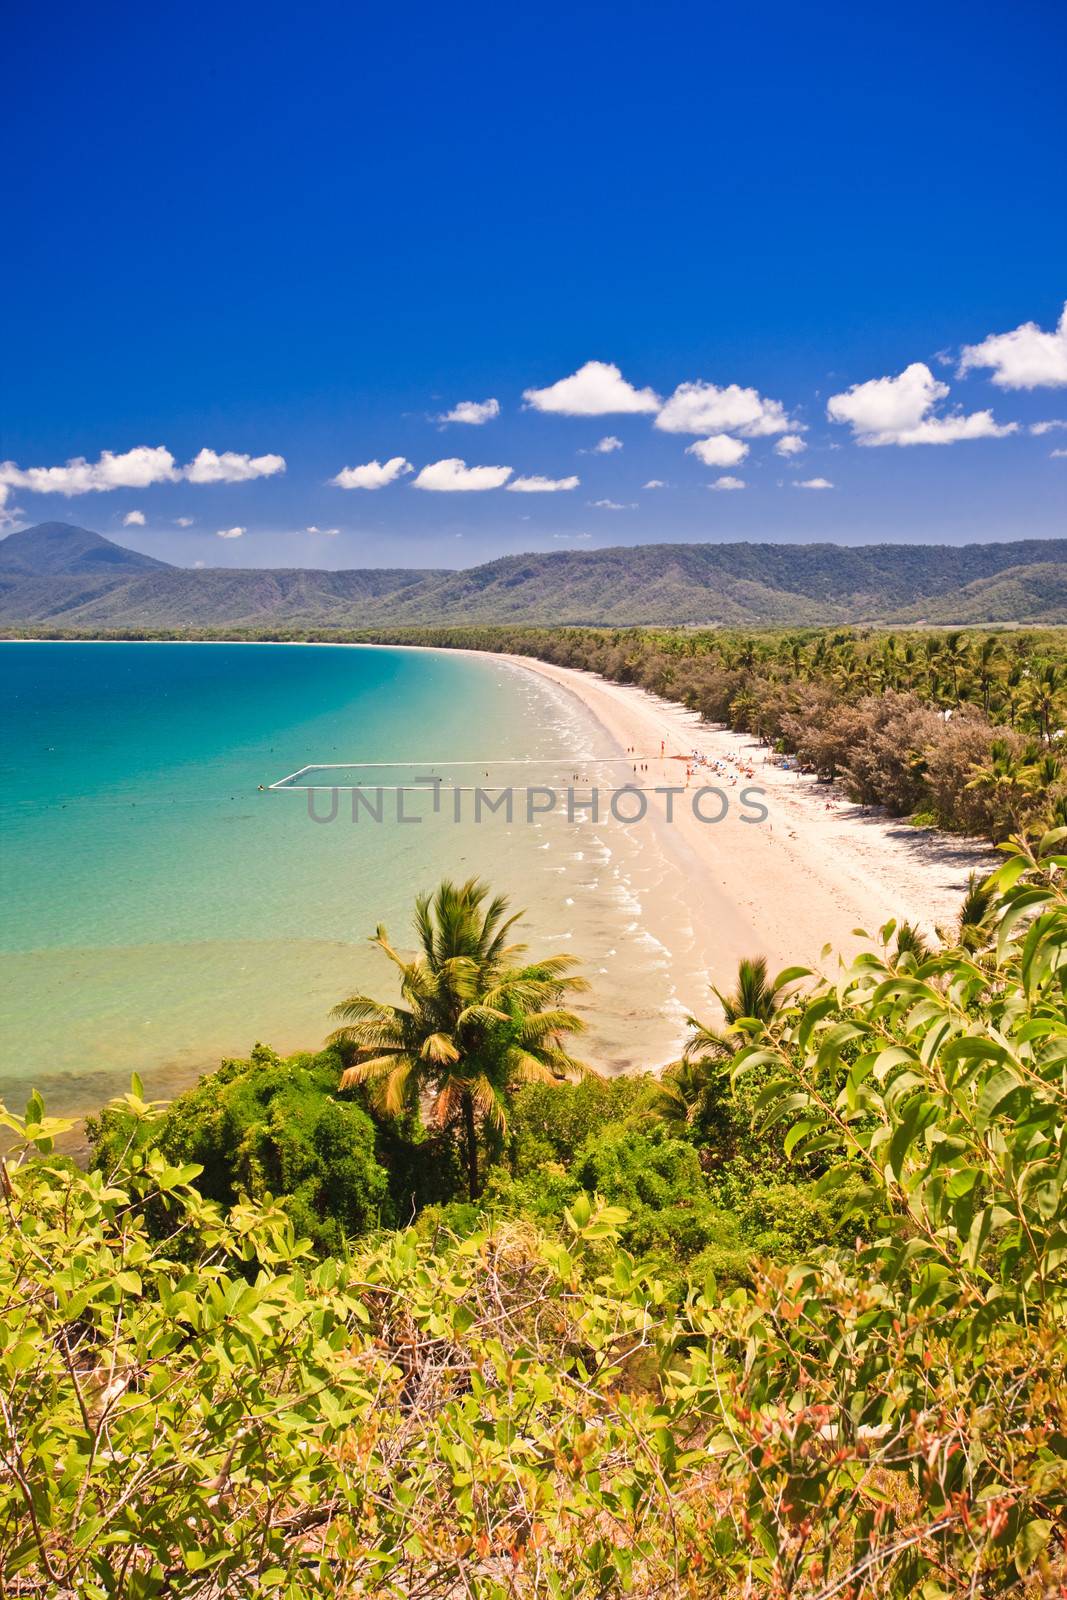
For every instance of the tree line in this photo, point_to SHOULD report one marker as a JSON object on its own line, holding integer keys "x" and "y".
{"x": 961, "y": 730}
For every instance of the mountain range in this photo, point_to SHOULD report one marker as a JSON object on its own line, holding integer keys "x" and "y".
{"x": 58, "y": 577}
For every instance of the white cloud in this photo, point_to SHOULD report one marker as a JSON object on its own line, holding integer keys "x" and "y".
{"x": 728, "y": 483}
{"x": 899, "y": 411}
{"x": 372, "y": 474}
{"x": 198, "y": 564}
{"x": 209, "y": 466}
{"x": 572, "y": 536}
{"x": 444, "y": 477}
{"x": 139, "y": 468}
{"x": 654, "y": 483}
{"x": 813, "y": 483}
{"x": 328, "y": 532}
{"x": 718, "y": 451}
{"x": 133, "y": 519}
{"x": 705, "y": 408}
{"x": 596, "y": 390}
{"x": 1057, "y": 455}
{"x": 612, "y": 505}
{"x": 538, "y": 485}
{"x": 474, "y": 412}
{"x": 135, "y": 469}
{"x": 790, "y": 444}
{"x": 952, "y": 429}
{"x": 230, "y": 533}
{"x": 605, "y": 446}
{"x": 1053, "y": 425}
{"x": 183, "y": 522}
{"x": 1025, "y": 358}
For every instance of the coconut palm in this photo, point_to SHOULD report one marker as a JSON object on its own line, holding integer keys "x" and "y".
{"x": 696, "y": 1090}
{"x": 1008, "y": 784}
{"x": 956, "y": 656}
{"x": 987, "y": 663}
{"x": 974, "y": 925}
{"x": 1045, "y": 697}
{"x": 1014, "y": 684}
{"x": 754, "y": 996}
{"x": 476, "y": 1020}
{"x": 910, "y": 942}
{"x": 683, "y": 1089}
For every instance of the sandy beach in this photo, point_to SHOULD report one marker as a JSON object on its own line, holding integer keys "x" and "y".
{"x": 816, "y": 871}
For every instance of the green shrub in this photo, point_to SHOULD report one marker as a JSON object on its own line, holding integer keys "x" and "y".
{"x": 273, "y": 1126}
{"x": 639, "y": 1167}
{"x": 786, "y": 1220}
{"x": 553, "y": 1121}
{"x": 528, "y": 1410}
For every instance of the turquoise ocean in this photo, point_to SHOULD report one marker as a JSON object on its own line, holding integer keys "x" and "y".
{"x": 159, "y": 910}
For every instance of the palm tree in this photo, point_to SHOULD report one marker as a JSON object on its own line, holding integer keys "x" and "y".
{"x": 910, "y": 942}
{"x": 989, "y": 658}
{"x": 1014, "y": 683}
{"x": 974, "y": 923}
{"x": 475, "y": 1022}
{"x": 697, "y": 1090}
{"x": 1044, "y": 697}
{"x": 754, "y": 996}
{"x": 1007, "y": 781}
{"x": 956, "y": 655}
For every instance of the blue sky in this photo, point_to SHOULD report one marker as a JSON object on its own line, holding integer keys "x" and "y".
{"x": 307, "y": 233}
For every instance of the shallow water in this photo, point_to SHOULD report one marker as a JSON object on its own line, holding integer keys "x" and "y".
{"x": 160, "y": 911}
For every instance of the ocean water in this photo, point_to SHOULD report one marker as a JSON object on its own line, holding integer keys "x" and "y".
{"x": 160, "y": 911}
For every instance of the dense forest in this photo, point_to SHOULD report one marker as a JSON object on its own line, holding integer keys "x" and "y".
{"x": 436, "y": 1312}
{"x": 58, "y": 575}
{"x": 961, "y": 730}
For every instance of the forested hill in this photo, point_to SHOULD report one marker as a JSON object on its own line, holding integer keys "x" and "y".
{"x": 59, "y": 576}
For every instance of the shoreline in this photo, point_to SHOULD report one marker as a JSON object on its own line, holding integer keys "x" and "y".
{"x": 819, "y": 869}
{"x": 816, "y": 871}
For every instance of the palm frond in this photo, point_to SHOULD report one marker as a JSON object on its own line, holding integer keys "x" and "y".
{"x": 381, "y": 938}
{"x": 488, "y": 1101}
{"x": 397, "y": 1086}
{"x": 552, "y": 966}
{"x": 540, "y": 1025}
{"x": 369, "y": 1071}
{"x": 360, "y": 1006}
{"x": 703, "y": 1041}
{"x": 447, "y": 1102}
{"x": 370, "y": 1038}
{"x": 481, "y": 1012}
{"x": 566, "y": 1066}
{"x": 439, "y": 1048}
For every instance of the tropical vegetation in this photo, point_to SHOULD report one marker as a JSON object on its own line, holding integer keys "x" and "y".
{"x": 476, "y": 1023}
{"x": 791, "y": 1321}
{"x": 961, "y": 730}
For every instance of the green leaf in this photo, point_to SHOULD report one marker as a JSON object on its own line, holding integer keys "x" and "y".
{"x": 996, "y": 1091}
{"x": 1030, "y": 1543}
{"x": 917, "y": 1114}
{"x": 789, "y": 975}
